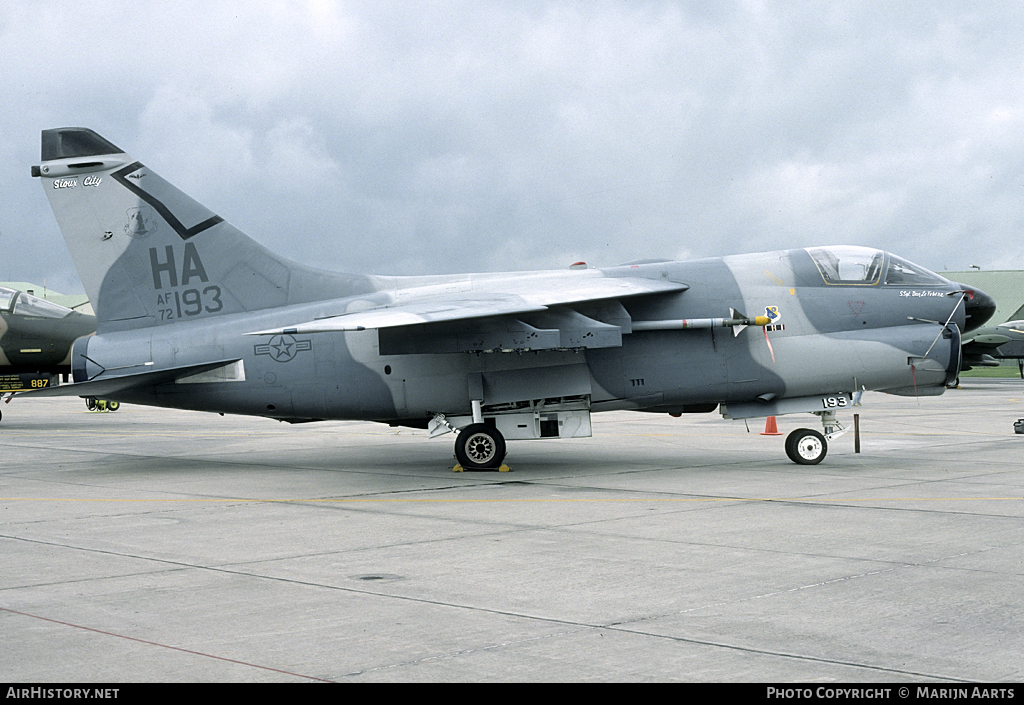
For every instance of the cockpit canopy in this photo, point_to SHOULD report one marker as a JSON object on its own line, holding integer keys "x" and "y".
{"x": 863, "y": 266}
{"x": 24, "y": 304}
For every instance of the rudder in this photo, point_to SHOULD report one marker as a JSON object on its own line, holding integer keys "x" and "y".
{"x": 148, "y": 254}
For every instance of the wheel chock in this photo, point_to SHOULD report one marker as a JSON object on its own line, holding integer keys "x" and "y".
{"x": 502, "y": 468}
{"x": 771, "y": 428}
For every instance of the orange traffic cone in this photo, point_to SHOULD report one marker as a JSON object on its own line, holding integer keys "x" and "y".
{"x": 770, "y": 427}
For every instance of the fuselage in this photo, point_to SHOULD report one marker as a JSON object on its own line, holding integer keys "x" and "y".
{"x": 194, "y": 314}
{"x": 829, "y": 332}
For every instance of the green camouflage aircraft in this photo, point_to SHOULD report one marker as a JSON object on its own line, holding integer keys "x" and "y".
{"x": 36, "y": 336}
{"x": 985, "y": 346}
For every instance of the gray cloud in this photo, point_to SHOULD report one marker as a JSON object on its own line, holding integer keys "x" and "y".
{"x": 468, "y": 136}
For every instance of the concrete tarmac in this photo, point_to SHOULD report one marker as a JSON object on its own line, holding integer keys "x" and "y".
{"x": 154, "y": 545}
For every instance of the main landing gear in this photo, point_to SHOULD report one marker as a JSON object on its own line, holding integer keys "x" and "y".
{"x": 94, "y": 404}
{"x": 480, "y": 447}
{"x": 805, "y": 446}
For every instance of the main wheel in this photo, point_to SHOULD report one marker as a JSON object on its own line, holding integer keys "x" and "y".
{"x": 479, "y": 446}
{"x": 805, "y": 446}
{"x": 113, "y": 405}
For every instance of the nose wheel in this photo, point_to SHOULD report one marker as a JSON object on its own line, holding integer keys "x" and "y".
{"x": 805, "y": 446}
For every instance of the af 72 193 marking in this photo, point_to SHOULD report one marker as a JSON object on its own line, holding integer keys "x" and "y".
{"x": 190, "y": 302}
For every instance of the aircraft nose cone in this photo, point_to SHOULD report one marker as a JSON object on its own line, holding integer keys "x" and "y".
{"x": 980, "y": 308}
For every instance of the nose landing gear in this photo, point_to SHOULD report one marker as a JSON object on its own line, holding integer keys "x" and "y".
{"x": 805, "y": 446}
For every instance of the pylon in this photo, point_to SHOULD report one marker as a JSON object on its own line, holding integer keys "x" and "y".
{"x": 770, "y": 427}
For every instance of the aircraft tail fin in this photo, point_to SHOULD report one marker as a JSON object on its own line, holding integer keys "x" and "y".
{"x": 149, "y": 255}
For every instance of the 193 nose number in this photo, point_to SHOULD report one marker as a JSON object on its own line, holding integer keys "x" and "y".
{"x": 835, "y": 402}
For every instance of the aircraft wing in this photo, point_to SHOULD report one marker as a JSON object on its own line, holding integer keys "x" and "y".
{"x": 989, "y": 341}
{"x": 110, "y": 386}
{"x": 481, "y": 304}
{"x": 427, "y": 311}
{"x": 548, "y": 315}
{"x": 980, "y": 348}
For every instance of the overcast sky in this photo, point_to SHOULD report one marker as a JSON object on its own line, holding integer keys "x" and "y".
{"x": 417, "y": 137}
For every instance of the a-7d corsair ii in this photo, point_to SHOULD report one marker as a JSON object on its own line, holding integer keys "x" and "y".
{"x": 193, "y": 314}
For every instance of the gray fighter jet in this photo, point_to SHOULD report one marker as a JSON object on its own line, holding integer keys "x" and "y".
{"x": 35, "y": 340}
{"x": 193, "y": 314}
